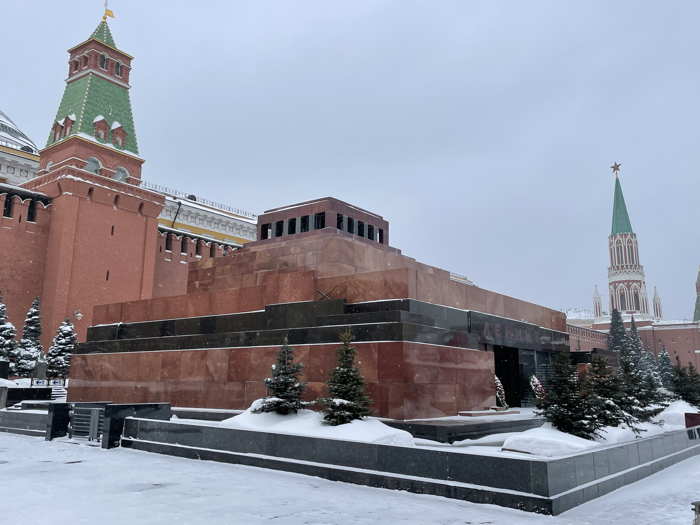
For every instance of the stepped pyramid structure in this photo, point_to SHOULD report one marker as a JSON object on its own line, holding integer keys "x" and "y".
{"x": 85, "y": 228}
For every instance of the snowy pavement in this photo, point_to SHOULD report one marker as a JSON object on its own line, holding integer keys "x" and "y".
{"x": 64, "y": 483}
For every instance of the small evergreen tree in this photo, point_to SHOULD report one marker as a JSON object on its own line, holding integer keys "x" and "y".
{"x": 500, "y": 393}
{"x": 652, "y": 383}
{"x": 61, "y": 350}
{"x": 284, "y": 387}
{"x": 347, "y": 399}
{"x": 641, "y": 397}
{"x": 566, "y": 405}
{"x": 7, "y": 335}
{"x": 606, "y": 395}
{"x": 617, "y": 337}
{"x": 29, "y": 349}
{"x": 666, "y": 369}
{"x": 686, "y": 384}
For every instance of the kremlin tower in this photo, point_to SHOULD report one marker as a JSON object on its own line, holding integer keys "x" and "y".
{"x": 626, "y": 280}
{"x": 696, "y": 315}
{"x": 103, "y": 232}
{"x": 85, "y": 229}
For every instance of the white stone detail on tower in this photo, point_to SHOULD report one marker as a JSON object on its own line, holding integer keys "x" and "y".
{"x": 597, "y": 303}
{"x": 658, "y": 311}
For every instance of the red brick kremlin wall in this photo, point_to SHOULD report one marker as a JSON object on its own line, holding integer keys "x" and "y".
{"x": 101, "y": 246}
{"x": 22, "y": 257}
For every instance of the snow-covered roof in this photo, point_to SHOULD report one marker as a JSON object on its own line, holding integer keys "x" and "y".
{"x": 23, "y": 192}
{"x": 579, "y": 313}
{"x": 13, "y": 137}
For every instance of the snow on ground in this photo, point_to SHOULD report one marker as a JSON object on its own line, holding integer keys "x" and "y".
{"x": 8, "y": 383}
{"x": 310, "y": 423}
{"x": 62, "y": 483}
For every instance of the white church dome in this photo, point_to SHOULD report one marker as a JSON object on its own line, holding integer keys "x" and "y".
{"x": 12, "y": 137}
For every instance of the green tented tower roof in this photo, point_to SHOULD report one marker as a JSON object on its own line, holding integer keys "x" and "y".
{"x": 91, "y": 97}
{"x": 103, "y": 34}
{"x": 620, "y": 219}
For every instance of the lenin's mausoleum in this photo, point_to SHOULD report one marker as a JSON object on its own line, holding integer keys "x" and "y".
{"x": 187, "y": 301}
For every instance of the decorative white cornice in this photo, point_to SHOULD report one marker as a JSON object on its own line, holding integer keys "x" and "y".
{"x": 98, "y": 73}
{"x": 635, "y": 273}
{"x": 182, "y": 212}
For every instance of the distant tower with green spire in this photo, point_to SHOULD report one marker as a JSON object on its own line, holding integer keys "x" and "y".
{"x": 626, "y": 281}
{"x": 696, "y": 316}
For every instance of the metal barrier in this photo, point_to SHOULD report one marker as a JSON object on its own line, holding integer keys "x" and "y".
{"x": 86, "y": 422}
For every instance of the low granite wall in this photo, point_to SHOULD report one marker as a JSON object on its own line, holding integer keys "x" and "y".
{"x": 556, "y": 484}
{"x": 29, "y": 422}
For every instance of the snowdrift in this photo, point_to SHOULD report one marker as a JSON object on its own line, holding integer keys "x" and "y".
{"x": 547, "y": 441}
{"x": 310, "y": 423}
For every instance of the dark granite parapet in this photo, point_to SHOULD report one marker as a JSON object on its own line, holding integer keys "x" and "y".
{"x": 451, "y": 431}
{"x": 295, "y": 336}
{"x": 318, "y": 322}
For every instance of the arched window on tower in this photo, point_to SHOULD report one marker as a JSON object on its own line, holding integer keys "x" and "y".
{"x": 635, "y": 299}
{"x": 630, "y": 253}
{"x": 618, "y": 249}
{"x": 121, "y": 174}
{"x": 93, "y": 165}
{"x": 623, "y": 299}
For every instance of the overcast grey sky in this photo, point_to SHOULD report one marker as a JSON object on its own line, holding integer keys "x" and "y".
{"x": 482, "y": 130}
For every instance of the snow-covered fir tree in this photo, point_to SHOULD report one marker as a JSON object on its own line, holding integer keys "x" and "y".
{"x": 566, "y": 405}
{"x": 7, "y": 335}
{"x": 284, "y": 387}
{"x": 61, "y": 350}
{"x": 606, "y": 395}
{"x": 29, "y": 349}
{"x": 666, "y": 369}
{"x": 617, "y": 336}
{"x": 652, "y": 376}
{"x": 347, "y": 399}
{"x": 686, "y": 384}
{"x": 500, "y": 393}
{"x": 642, "y": 396}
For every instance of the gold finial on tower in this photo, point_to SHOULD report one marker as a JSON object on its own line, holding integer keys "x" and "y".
{"x": 108, "y": 12}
